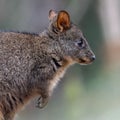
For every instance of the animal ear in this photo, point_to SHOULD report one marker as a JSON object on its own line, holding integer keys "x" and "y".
{"x": 52, "y": 14}
{"x": 63, "y": 21}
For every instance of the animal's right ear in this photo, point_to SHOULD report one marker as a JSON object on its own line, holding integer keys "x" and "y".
{"x": 63, "y": 21}
{"x": 52, "y": 14}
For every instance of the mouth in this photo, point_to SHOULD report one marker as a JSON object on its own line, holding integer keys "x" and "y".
{"x": 86, "y": 60}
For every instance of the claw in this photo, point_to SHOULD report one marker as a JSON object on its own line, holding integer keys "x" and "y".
{"x": 41, "y": 102}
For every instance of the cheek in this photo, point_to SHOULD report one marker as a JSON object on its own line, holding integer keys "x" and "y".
{"x": 71, "y": 48}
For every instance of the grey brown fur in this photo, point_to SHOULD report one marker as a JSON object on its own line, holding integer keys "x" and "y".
{"x": 32, "y": 64}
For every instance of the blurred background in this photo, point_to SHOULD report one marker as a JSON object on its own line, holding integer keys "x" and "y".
{"x": 86, "y": 92}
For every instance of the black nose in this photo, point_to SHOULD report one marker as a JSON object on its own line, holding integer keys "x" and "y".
{"x": 93, "y": 58}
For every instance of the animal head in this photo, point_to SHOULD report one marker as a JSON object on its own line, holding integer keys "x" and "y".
{"x": 72, "y": 42}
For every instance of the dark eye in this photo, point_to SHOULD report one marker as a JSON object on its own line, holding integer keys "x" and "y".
{"x": 80, "y": 43}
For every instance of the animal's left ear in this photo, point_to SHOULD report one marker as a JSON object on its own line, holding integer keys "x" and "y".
{"x": 52, "y": 14}
{"x": 63, "y": 21}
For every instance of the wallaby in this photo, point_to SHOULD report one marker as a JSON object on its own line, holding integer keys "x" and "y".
{"x": 32, "y": 64}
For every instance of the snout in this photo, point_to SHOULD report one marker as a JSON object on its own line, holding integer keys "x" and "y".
{"x": 93, "y": 58}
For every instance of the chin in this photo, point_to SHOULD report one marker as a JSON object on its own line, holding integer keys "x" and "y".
{"x": 86, "y": 63}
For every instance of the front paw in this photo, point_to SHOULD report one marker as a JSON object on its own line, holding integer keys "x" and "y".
{"x": 41, "y": 102}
